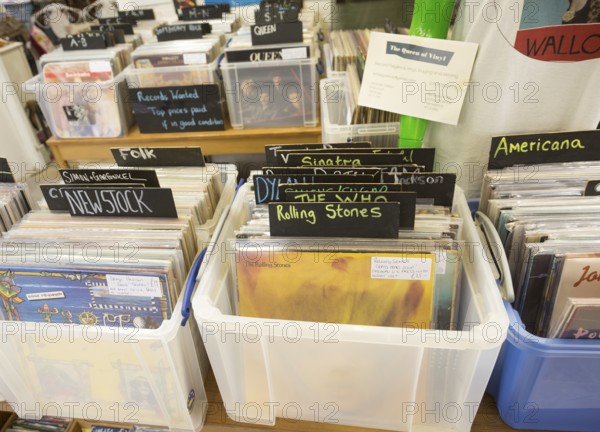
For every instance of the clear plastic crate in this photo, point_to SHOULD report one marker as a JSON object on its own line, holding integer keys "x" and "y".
{"x": 101, "y": 373}
{"x": 277, "y": 93}
{"x": 336, "y": 114}
{"x": 83, "y": 110}
{"x": 379, "y": 377}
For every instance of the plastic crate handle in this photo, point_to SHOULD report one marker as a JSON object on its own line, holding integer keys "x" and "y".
{"x": 190, "y": 284}
{"x": 218, "y": 69}
{"x": 320, "y": 67}
{"x": 237, "y": 188}
{"x": 488, "y": 233}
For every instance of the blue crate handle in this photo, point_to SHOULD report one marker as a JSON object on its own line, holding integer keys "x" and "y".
{"x": 186, "y": 308}
{"x": 489, "y": 234}
{"x": 237, "y": 188}
{"x": 218, "y": 70}
{"x": 320, "y": 67}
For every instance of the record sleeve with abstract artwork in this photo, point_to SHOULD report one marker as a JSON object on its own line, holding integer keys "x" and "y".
{"x": 363, "y": 288}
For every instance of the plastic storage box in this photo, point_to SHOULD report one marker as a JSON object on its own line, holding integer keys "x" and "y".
{"x": 336, "y": 114}
{"x": 277, "y": 93}
{"x": 389, "y": 378}
{"x": 99, "y": 373}
{"x": 547, "y": 384}
{"x": 83, "y": 110}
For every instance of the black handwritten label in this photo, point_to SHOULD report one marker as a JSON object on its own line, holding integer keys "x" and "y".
{"x": 342, "y": 187}
{"x": 266, "y": 187}
{"x": 118, "y": 20}
{"x": 353, "y": 171}
{"x": 271, "y": 150}
{"x": 407, "y": 201}
{"x": 194, "y": 108}
{"x": 269, "y": 13}
{"x": 180, "y": 32}
{"x": 125, "y": 28}
{"x": 289, "y": 32}
{"x": 267, "y": 54}
{"x": 359, "y": 220}
{"x": 107, "y": 429}
{"x": 203, "y": 12}
{"x": 6, "y": 175}
{"x": 84, "y": 41}
{"x": 119, "y": 202}
{"x": 360, "y": 159}
{"x": 544, "y": 148}
{"x": 138, "y": 14}
{"x": 283, "y": 154}
{"x": 113, "y": 176}
{"x": 56, "y": 201}
{"x": 436, "y": 186}
{"x": 592, "y": 188}
{"x": 158, "y": 156}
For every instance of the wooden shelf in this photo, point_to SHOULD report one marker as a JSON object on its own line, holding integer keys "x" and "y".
{"x": 228, "y": 142}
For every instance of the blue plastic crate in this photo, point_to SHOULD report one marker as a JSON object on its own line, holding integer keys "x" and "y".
{"x": 546, "y": 384}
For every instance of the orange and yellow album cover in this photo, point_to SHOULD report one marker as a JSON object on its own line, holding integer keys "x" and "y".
{"x": 380, "y": 289}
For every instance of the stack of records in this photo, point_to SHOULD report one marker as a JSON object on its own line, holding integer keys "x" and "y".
{"x": 176, "y": 63}
{"x": 349, "y": 47}
{"x": 15, "y": 202}
{"x": 547, "y": 218}
{"x": 120, "y": 253}
{"x": 45, "y": 424}
{"x": 360, "y": 242}
{"x": 349, "y": 50}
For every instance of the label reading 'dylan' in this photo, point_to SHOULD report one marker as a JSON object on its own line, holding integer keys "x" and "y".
{"x": 194, "y": 108}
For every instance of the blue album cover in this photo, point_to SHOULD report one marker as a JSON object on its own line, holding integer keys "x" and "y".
{"x": 84, "y": 297}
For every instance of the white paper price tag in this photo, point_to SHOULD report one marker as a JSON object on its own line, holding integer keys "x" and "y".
{"x": 137, "y": 286}
{"x": 403, "y": 268}
{"x": 194, "y": 58}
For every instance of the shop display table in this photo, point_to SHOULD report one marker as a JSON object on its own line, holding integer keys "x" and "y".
{"x": 227, "y": 142}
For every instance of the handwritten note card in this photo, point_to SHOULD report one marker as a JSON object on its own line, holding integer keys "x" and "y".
{"x": 178, "y": 109}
